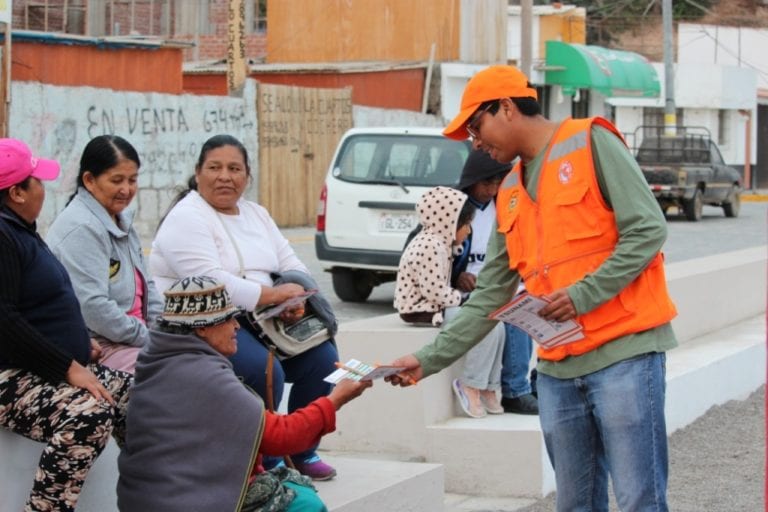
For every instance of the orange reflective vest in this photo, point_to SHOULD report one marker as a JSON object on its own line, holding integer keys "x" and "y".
{"x": 568, "y": 233}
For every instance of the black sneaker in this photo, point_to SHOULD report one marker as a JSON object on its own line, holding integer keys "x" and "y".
{"x": 525, "y": 404}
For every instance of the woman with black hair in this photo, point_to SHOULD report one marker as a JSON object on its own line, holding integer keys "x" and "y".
{"x": 212, "y": 229}
{"x": 50, "y": 391}
{"x": 95, "y": 239}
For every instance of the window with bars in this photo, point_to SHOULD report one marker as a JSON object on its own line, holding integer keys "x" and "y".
{"x": 256, "y": 16}
{"x": 99, "y": 17}
{"x": 55, "y": 16}
{"x": 722, "y": 127}
{"x": 135, "y": 17}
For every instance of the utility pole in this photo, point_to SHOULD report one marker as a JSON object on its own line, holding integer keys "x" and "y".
{"x": 670, "y": 113}
{"x": 526, "y": 22}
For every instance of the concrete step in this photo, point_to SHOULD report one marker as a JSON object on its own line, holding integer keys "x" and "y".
{"x": 18, "y": 462}
{"x": 362, "y": 484}
{"x": 366, "y": 484}
{"x": 725, "y": 365}
{"x": 511, "y": 443}
{"x": 482, "y": 463}
{"x": 708, "y": 370}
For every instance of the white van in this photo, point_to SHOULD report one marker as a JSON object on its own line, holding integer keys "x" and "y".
{"x": 367, "y": 205}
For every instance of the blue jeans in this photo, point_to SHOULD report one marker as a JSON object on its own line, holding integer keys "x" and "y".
{"x": 305, "y": 371}
{"x": 608, "y": 422}
{"x": 515, "y": 361}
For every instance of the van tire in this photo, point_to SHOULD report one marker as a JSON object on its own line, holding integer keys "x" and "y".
{"x": 352, "y": 285}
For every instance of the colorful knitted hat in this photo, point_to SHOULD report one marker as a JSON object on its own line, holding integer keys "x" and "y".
{"x": 197, "y": 301}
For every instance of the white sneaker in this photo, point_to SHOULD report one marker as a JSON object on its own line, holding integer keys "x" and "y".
{"x": 472, "y": 408}
{"x": 491, "y": 401}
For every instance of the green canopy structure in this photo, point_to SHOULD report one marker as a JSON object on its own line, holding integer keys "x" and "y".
{"x": 611, "y": 72}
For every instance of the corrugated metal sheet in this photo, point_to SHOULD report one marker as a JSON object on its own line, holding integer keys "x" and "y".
{"x": 397, "y": 87}
{"x": 93, "y": 62}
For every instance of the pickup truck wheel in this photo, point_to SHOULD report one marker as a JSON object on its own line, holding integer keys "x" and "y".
{"x": 733, "y": 206}
{"x": 351, "y": 285}
{"x": 693, "y": 207}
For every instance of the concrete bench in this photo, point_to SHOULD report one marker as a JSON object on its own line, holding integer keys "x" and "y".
{"x": 362, "y": 483}
{"x": 721, "y": 301}
{"x": 19, "y": 457}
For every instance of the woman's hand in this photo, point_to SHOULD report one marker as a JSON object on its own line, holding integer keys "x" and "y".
{"x": 81, "y": 377}
{"x": 346, "y": 390}
{"x": 279, "y": 294}
{"x": 292, "y": 315}
{"x": 95, "y": 351}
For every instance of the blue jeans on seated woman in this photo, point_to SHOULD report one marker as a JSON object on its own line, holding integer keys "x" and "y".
{"x": 305, "y": 371}
{"x": 608, "y": 422}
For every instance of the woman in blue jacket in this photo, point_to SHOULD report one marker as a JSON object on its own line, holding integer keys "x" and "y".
{"x": 49, "y": 390}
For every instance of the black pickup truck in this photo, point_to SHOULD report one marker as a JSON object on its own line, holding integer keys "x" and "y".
{"x": 686, "y": 170}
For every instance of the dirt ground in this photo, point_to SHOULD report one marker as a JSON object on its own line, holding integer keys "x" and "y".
{"x": 717, "y": 464}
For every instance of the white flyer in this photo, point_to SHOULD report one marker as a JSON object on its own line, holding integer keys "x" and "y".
{"x": 523, "y": 312}
{"x": 357, "y": 370}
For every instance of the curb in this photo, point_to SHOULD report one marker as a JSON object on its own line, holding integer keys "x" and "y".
{"x": 754, "y": 198}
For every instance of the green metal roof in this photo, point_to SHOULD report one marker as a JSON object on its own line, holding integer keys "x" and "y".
{"x": 611, "y": 72}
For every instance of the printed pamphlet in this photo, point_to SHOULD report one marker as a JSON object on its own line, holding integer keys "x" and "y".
{"x": 357, "y": 370}
{"x": 523, "y": 312}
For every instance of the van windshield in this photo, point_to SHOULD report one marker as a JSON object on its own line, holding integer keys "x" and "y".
{"x": 401, "y": 160}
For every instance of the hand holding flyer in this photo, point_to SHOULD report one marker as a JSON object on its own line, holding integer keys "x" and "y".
{"x": 356, "y": 370}
{"x": 523, "y": 312}
{"x": 275, "y": 310}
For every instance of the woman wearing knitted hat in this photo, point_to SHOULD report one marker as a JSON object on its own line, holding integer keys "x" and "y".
{"x": 48, "y": 390}
{"x": 204, "y": 454}
{"x": 213, "y": 230}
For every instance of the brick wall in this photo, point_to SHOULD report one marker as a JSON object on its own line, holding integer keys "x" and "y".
{"x": 146, "y": 19}
{"x": 214, "y": 47}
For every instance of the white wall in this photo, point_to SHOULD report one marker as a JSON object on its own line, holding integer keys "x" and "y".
{"x": 370, "y": 116}
{"x": 514, "y": 41}
{"x": 728, "y": 46}
{"x": 454, "y": 77}
{"x": 702, "y": 90}
{"x": 167, "y": 131}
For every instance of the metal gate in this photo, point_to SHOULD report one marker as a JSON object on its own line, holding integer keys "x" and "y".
{"x": 299, "y": 129}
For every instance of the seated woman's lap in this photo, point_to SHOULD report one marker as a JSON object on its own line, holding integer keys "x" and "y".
{"x": 250, "y": 364}
{"x": 41, "y": 411}
{"x": 305, "y": 371}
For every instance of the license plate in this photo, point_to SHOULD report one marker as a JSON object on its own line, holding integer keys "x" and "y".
{"x": 397, "y": 222}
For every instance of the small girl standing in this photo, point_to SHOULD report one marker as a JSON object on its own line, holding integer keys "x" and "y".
{"x": 424, "y": 294}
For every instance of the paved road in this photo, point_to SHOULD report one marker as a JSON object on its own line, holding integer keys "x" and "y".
{"x": 714, "y": 234}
